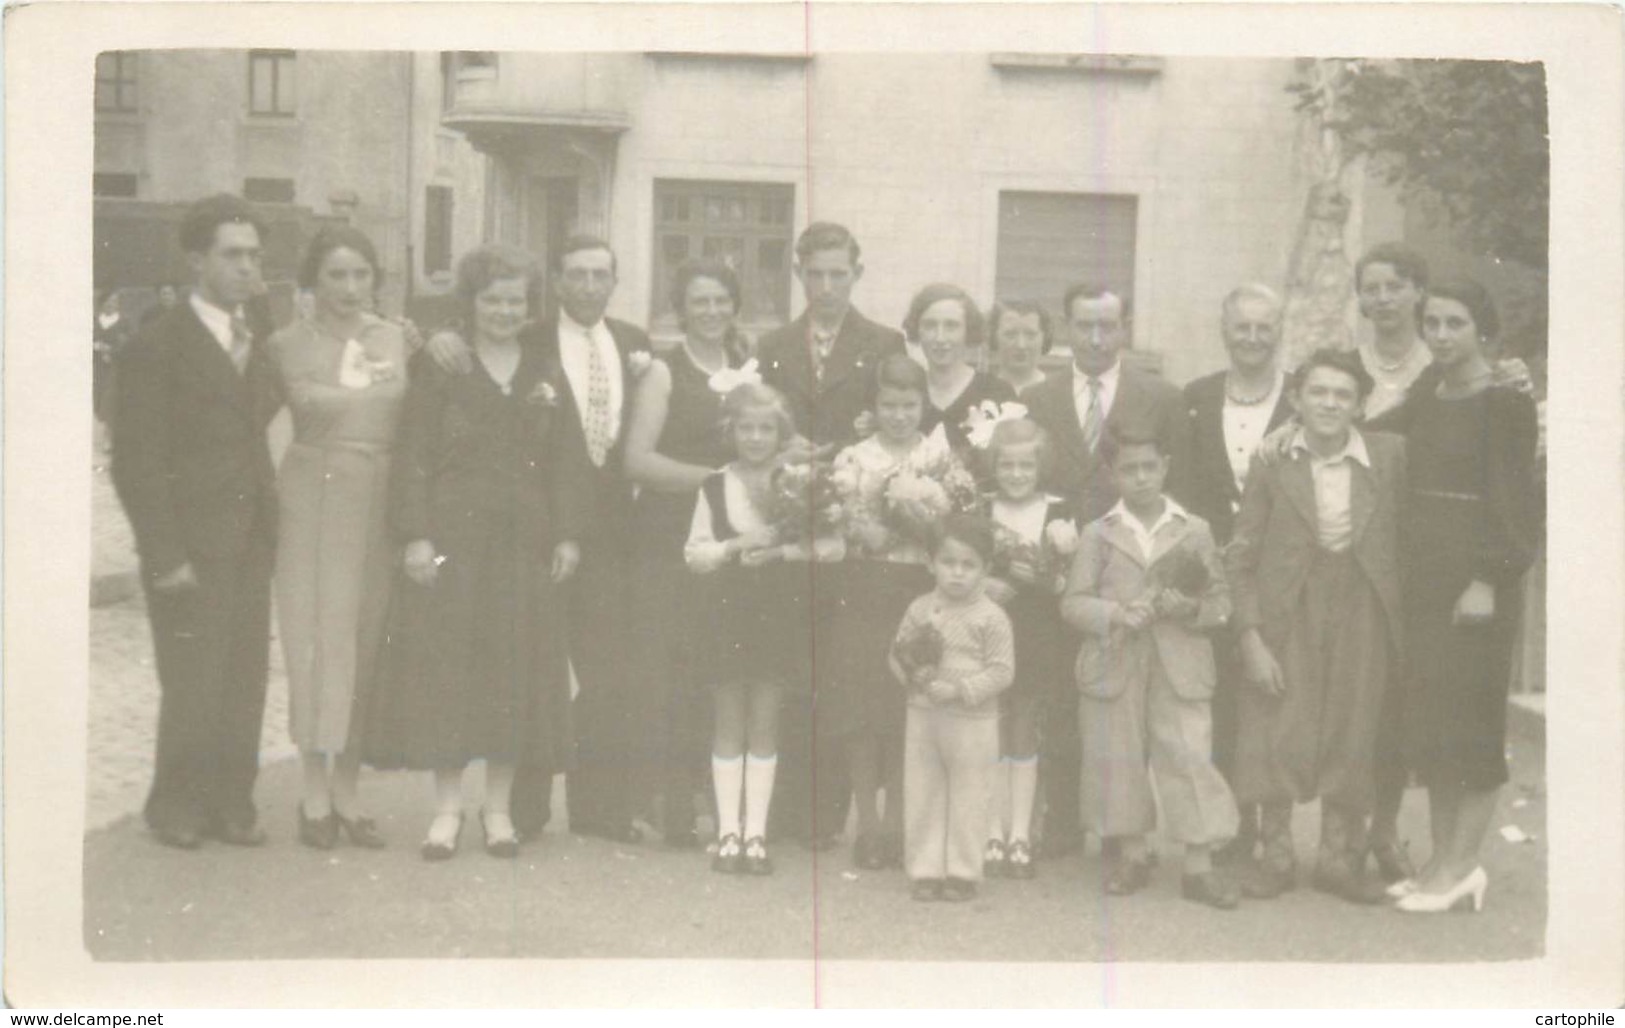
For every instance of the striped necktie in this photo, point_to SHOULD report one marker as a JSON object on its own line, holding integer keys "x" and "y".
{"x": 1093, "y": 418}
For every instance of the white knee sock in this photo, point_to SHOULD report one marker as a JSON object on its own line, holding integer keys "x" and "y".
{"x": 759, "y": 772}
{"x": 999, "y": 809}
{"x": 1023, "y": 789}
{"x": 728, "y": 779}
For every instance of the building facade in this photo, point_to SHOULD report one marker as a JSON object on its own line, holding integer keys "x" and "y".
{"x": 1014, "y": 175}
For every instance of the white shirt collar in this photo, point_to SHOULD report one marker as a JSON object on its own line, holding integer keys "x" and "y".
{"x": 589, "y": 332}
{"x": 1107, "y": 378}
{"x": 216, "y": 319}
{"x": 1170, "y": 510}
{"x": 1354, "y": 449}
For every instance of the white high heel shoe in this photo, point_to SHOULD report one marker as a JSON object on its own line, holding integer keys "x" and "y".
{"x": 1473, "y": 887}
{"x": 1401, "y": 888}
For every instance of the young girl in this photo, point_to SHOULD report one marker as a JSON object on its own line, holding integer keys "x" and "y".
{"x": 952, "y": 740}
{"x": 753, "y": 621}
{"x": 859, "y": 711}
{"x": 1033, "y": 535}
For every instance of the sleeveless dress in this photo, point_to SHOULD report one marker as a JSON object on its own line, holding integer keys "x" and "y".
{"x": 754, "y": 621}
{"x": 1470, "y": 514}
{"x": 474, "y": 664}
{"x": 334, "y": 554}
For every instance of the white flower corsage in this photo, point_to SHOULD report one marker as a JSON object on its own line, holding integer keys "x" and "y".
{"x": 1062, "y": 536}
{"x": 544, "y": 395}
{"x": 639, "y": 361}
{"x": 982, "y": 419}
{"x": 729, "y": 379}
{"x": 358, "y": 370}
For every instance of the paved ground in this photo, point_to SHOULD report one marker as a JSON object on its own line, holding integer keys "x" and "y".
{"x": 569, "y": 897}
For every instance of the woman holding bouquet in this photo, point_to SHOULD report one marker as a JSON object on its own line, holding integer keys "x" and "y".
{"x": 754, "y": 529}
{"x": 674, "y": 442}
{"x": 1033, "y": 538}
{"x": 945, "y": 322}
{"x": 859, "y": 708}
{"x": 344, "y": 376}
{"x": 488, "y": 491}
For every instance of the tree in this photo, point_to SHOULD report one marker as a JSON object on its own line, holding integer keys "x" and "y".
{"x": 1465, "y": 139}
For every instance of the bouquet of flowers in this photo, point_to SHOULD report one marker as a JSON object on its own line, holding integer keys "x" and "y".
{"x": 802, "y": 502}
{"x": 1036, "y": 562}
{"x": 919, "y": 494}
{"x": 982, "y": 419}
{"x": 919, "y": 652}
{"x": 1180, "y": 571}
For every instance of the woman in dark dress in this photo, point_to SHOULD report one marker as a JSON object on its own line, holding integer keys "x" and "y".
{"x": 486, "y": 496}
{"x": 944, "y": 320}
{"x": 1469, "y": 537}
{"x": 674, "y": 441}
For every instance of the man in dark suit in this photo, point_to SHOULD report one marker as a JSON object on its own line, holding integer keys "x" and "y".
{"x": 195, "y": 392}
{"x": 600, "y": 358}
{"x": 824, "y": 363}
{"x": 1227, "y": 414}
{"x": 1100, "y": 395}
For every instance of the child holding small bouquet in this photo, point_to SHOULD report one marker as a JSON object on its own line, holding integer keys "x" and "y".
{"x": 1034, "y": 538}
{"x": 894, "y": 487}
{"x": 955, "y": 653}
{"x": 755, "y": 526}
{"x": 1145, "y": 585}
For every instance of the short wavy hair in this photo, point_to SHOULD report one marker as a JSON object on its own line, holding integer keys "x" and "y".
{"x": 1004, "y": 308}
{"x": 975, "y": 324}
{"x": 1018, "y": 432}
{"x": 758, "y": 396}
{"x": 899, "y": 371}
{"x": 1406, "y": 262}
{"x": 1346, "y": 361}
{"x": 496, "y": 262}
{"x": 201, "y": 222}
{"x": 972, "y": 530}
{"x": 1472, "y": 296}
{"x": 826, "y": 235}
{"x": 703, "y": 267}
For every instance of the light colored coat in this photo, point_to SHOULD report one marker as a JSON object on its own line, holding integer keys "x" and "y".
{"x": 1108, "y": 572}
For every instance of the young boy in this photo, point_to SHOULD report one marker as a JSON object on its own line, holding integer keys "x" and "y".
{"x": 1146, "y": 582}
{"x": 951, "y": 743}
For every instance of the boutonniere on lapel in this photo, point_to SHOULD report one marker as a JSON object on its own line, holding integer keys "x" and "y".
{"x": 729, "y": 379}
{"x": 359, "y": 370}
{"x": 639, "y": 361}
{"x": 543, "y": 395}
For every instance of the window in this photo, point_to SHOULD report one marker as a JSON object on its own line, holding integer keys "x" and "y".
{"x": 268, "y": 190}
{"x": 272, "y": 83}
{"x": 437, "y": 207}
{"x": 746, "y": 224}
{"x": 113, "y": 184}
{"x": 1049, "y": 242}
{"x": 115, "y": 81}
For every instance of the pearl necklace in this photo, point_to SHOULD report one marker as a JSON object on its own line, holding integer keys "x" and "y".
{"x": 1245, "y": 401}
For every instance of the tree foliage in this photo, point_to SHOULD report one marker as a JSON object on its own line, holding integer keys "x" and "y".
{"x": 1465, "y": 138}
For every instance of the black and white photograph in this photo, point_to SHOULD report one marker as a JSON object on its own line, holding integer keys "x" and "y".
{"x": 1029, "y": 498}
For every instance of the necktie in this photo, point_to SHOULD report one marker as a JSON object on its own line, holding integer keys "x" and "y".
{"x": 1092, "y": 418}
{"x": 823, "y": 343}
{"x": 597, "y": 426}
{"x": 241, "y": 338}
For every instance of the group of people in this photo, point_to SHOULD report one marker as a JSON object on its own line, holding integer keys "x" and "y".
{"x": 987, "y": 608}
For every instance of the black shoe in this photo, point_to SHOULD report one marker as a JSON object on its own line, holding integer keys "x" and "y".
{"x": 1210, "y": 888}
{"x": 729, "y": 857}
{"x": 757, "y": 862}
{"x": 926, "y": 890}
{"x": 320, "y": 833}
{"x": 1341, "y": 879}
{"x": 235, "y": 833}
{"x": 1127, "y": 877}
{"x": 995, "y": 859}
{"x": 504, "y": 846}
{"x": 436, "y": 851}
{"x": 361, "y": 831}
{"x": 1018, "y": 861}
{"x": 1393, "y": 861}
{"x": 1237, "y": 852}
{"x": 1261, "y": 881}
{"x": 178, "y": 837}
{"x": 957, "y": 890}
